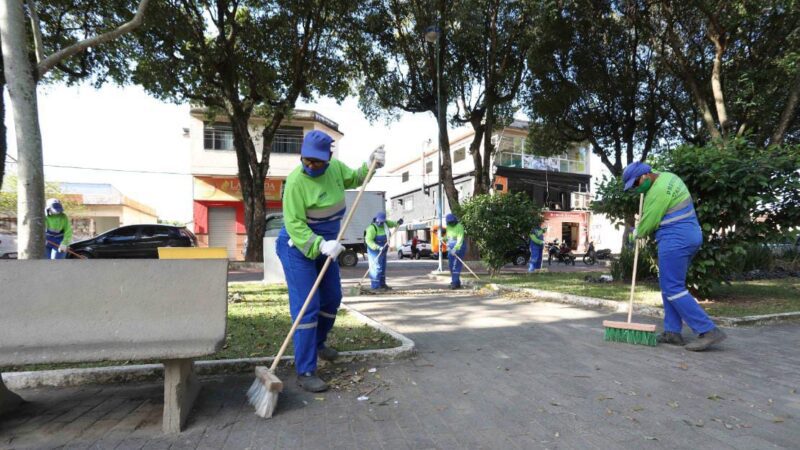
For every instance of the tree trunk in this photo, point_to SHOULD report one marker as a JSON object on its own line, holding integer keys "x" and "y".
{"x": 22, "y": 91}
{"x": 254, "y": 218}
{"x": 447, "y": 167}
{"x": 475, "y": 151}
{"x": 488, "y": 148}
{"x": 787, "y": 114}
{"x": 3, "y": 135}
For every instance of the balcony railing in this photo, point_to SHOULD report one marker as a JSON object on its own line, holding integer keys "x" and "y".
{"x": 553, "y": 164}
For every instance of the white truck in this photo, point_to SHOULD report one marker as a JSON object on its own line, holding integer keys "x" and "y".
{"x": 372, "y": 202}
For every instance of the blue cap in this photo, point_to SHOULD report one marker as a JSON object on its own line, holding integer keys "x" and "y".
{"x": 634, "y": 171}
{"x": 380, "y": 217}
{"x": 451, "y": 218}
{"x": 316, "y": 145}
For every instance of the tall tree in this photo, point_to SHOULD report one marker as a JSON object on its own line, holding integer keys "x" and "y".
{"x": 246, "y": 60}
{"x": 738, "y": 62}
{"x": 399, "y": 70}
{"x": 489, "y": 55}
{"x": 22, "y": 76}
{"x": 595, "y": 79}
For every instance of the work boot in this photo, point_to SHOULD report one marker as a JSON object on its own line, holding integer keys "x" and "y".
{"x": 310, "y": 382}
{"x": 455, "y": 286}
{"x": 386, "y": 288}
{"x": 706, "y": 340}
{"x": 327, "y": 354}
{"x": 670, "y": 337}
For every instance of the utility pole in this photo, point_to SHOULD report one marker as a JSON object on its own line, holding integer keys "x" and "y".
{"x": 432, "y": 35}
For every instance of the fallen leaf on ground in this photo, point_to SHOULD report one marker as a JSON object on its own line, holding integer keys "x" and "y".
{"x": 727, "y": 425}
{"x": 651, "y": 438}
{"x": 672, "y": 404}
{"x": 683, "y": 366}
{"x": 637, "y": 409}
{"x": 555, "y": 404}
{"x": 603, "y": 397}
{"x": 465, "y": 392}
{"x": 715, "y": 397}
{"x": 777, "y": 420}
{"x": 319, "y": 399}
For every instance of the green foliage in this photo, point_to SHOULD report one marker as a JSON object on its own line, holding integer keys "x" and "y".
{"x": 498, "y": 224}
{"x": 743, "y": 194}
{"x": 757, "y": 256}
{"x": 647, "y": 267}
{"x": 8, "y": 197}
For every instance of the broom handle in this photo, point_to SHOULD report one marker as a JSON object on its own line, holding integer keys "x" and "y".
{"x": 635, "y": 258}
{"x": 68, "y": 250}
{"x": 323, "y": 270}
{"x": 465, "y": 265}
{"x": 379, "y": 254}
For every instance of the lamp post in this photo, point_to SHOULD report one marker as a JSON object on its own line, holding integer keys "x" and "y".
{"x": 432, "y": 35}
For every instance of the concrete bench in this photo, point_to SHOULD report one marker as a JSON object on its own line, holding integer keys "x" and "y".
{"x": 115, "y": 310}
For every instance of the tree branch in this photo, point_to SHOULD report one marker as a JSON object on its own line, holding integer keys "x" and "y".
{"x": 45, "y": 66}
{"x": 787, "y": 114}
{"x": 37, "y": 31}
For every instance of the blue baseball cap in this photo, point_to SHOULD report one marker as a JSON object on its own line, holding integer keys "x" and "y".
{"x": 451, "y": 218}
{"x": 634, "y": 171}
{"x": 380, "y": 217}
{"x": 317, "y": 145}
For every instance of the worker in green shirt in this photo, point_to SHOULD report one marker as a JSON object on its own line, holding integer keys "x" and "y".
{"x": 58, "y": 230}
{"x": 313, "y": 208}
{"x": 377, "y": 239}
{"x": 668, "y": 211}
{"x": 455, "y": 246}
{"x": 536, "y": 247}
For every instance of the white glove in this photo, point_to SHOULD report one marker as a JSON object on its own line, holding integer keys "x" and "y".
{"x": 331, "y": 248}
{"x": 379, "y": 157}
{"x": 62, "y": 248}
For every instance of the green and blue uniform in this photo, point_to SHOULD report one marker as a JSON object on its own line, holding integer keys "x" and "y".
{"x": 455, "y": 246}
{"x": 377, "y": 238}
{"x": 313, "y": 208}
{"x": 58, "y": 230}
{"x": 536, "y": 246}
{"x": 668, "y": 211}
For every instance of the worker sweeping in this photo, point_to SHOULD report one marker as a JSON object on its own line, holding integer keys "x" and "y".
{"x": 313, "y": 207}
{"x": 668, "y": 210}
{"x": 536, "y": 246}
{"x": 455, "y": 246}
{"x": 58, "y": 232}
{"x": 377, "y": 240}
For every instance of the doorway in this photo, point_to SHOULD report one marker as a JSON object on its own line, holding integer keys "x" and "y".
{"x": 569, "y": 234}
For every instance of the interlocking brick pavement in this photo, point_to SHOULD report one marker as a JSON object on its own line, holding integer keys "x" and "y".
{"x": 491, "y": 372}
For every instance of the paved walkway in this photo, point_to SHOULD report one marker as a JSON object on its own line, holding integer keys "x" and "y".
{"x": 491, "y": 372}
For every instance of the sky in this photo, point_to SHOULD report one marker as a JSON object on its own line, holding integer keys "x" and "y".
{"x": 122, "y": 136}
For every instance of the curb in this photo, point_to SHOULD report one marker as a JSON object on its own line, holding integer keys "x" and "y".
{"x": 150, "y": 372}
{"x": 622, "y": 307}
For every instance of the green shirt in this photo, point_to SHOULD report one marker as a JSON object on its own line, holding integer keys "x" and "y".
{"x": 373, "y": 230}
{"x": 537, "y": 236}
{"x": 60, "y": 224}
{"x": 306, "y": 197}
{"x": 456, "y": 232}
{"x": 667, "y": 191}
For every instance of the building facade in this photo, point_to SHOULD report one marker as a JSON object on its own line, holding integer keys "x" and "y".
{"x": 560, "y": 185}
{"x": 217, "y": 196}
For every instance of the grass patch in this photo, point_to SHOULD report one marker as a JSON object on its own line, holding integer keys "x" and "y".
{"x": 740, "y": 298}
{"x": 257, "y": 326}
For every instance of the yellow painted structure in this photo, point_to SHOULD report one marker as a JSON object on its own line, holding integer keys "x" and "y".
{"x": 192, "y": 253}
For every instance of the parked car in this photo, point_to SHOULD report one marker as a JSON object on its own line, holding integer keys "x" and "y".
{"x": 8, "y": 246}
{"x": 423, "y": 247}
{"x": 519, "y": 256}
{"x": 134, "y": 241}
{"x": 353, "y": 241}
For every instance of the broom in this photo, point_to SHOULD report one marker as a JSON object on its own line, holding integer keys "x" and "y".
{"x": 465, "y": 265}
{"x": 356, "y": 291}
{"x": 632, "y": 332}
{"x": 263, "y": 393}
{"x": 77, "y": 255}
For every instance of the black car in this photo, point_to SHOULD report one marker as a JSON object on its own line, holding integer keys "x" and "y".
{"x": 134, "y": 241}
{"x": 520, "y": 255}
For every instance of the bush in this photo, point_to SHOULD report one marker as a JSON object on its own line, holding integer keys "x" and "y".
{"x": 741, "y": 193}
{"x": 756, "y": 257}
{"x": 498, "y": 224}
{"x": 622, "y": 268}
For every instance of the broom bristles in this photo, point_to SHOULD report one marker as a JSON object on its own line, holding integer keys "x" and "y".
{"x": 630, "y": 333}
{"x": 263, "y": 393}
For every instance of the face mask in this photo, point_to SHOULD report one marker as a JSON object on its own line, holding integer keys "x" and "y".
{"x": 644, "y": 186}
{"x": 315, "y": 172}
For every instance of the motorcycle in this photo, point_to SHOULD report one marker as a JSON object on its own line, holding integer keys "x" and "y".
{"x": 592, "y": 255}
{"x": 562, "y": 253}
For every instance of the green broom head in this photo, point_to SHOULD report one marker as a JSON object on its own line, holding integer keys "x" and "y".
{"x": 639, "y": 334}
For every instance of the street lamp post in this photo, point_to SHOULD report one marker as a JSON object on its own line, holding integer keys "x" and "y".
{"x": 432, "y": 35}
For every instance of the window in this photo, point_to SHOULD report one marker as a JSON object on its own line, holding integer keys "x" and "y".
{"x": 155, "y": 232}
{"x": 217, "y": 136}
{"x": 429, "y": 167}
{"x": 405, "y": 177}
{"x": 288, "y": 140}
{"x": 460, "y": 154}
{"x": 122, "y": 235}
{"x": 408, "y": 204}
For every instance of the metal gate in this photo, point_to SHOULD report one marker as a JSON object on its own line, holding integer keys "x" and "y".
{"x": 222, "y": 229}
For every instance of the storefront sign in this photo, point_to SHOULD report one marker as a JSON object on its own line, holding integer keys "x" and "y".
{"x": 229, "y": 189}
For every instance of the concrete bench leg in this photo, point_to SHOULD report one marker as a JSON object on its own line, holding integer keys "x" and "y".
{"x": 180, "y": 390}
{"x": 9, "y": 401}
